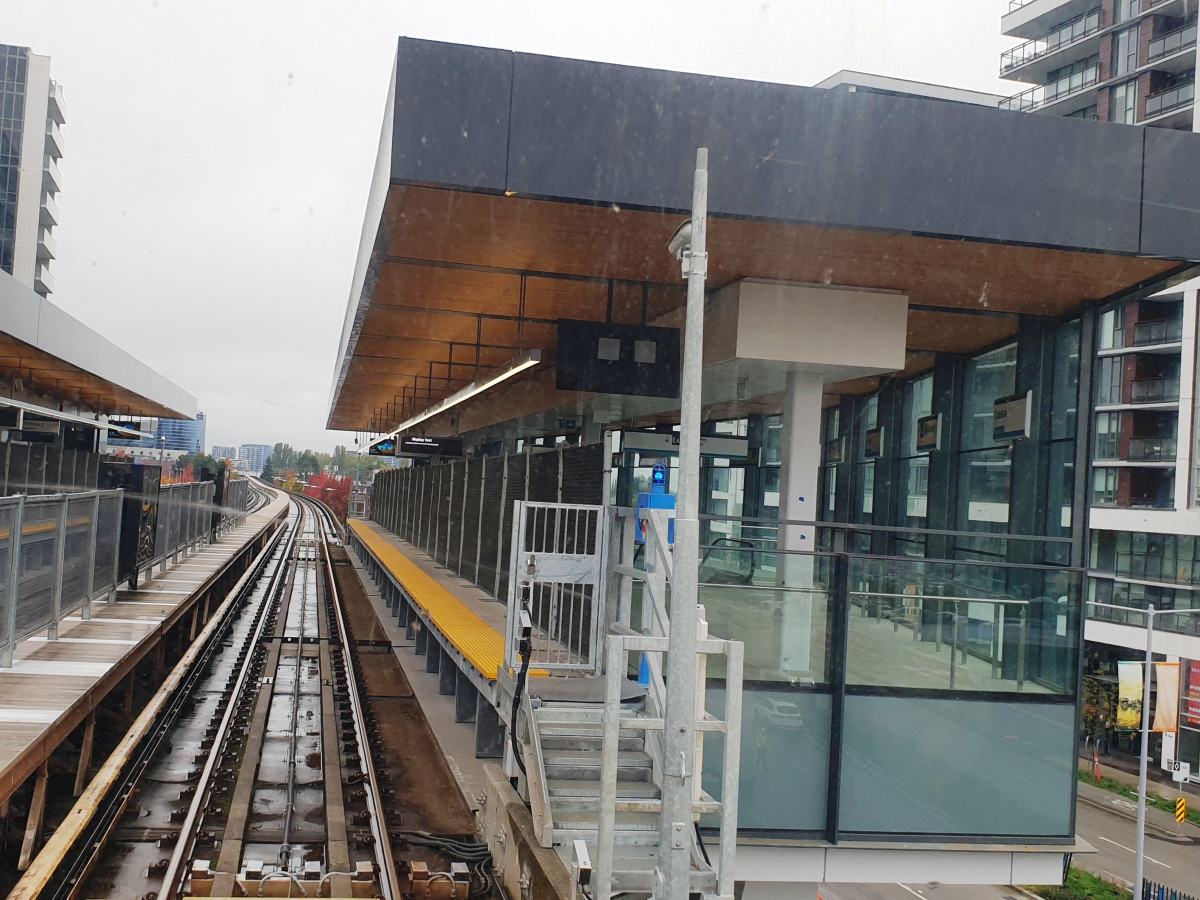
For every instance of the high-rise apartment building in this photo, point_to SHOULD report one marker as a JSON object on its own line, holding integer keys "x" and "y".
{"x": 218, "y": 452}
{"x": 1131, "y": 62}
{"x": 1127, "y": 61}
{"x": 183, "y": 434}
{"x": 255, "y": 455}
{"x": 31, "y": 144}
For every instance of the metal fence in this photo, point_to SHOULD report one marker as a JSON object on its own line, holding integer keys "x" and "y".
{"x": 184, "y": 520}
{"x": 1154, "y": 891}
{"x": 461, "y": 513}
{"x": 235, "y": 506}
{"x": 57, "y": 553}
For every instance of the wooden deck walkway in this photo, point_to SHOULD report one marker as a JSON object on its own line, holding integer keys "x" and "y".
{"x": 53, "y": 686}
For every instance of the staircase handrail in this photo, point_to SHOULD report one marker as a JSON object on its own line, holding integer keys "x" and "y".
{"x": 535, "y": 776}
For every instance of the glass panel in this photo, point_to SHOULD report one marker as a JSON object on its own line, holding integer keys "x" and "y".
{"x": 1011, "y": 629}
{"x": 1065, "y": 392}
{"x": 914, "y": 492}
{"x": 1108, "y": 436}
{"x": 785, "y": 631}
{"x": 1125, "y": 52}
{"x": 984, "y": 484}
{"x": 785, "y": 757}
{"x": 1061, "y": 496}
{"x": 865, "y": 490}
{"x": 1123, "y": 105}
{"x": 918, "y": 402}
{"x": 912, "y": 766}
{"x": 1104, "y": 487}
{"x": 1112, "y": 329}
{"x": 988, "y": 377}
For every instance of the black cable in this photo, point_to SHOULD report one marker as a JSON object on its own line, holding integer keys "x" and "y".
{"x": 700, "y": 841}
{"x": 525, "y": 649}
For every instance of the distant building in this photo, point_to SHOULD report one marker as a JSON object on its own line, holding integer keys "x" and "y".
{"x": 255, "y": 456}
{"x": 183, "y": 434}
{"x": 31, "y": 111}
{"x": 229, "y": 453}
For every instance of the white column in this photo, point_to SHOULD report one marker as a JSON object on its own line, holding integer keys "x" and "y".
{"x": 800, "y": 457}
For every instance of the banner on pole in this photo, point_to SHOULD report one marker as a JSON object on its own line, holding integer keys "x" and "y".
{"x": 1166, "y": 706}
{"x": 1129, "y": 704}
{"x": 1192, "y": 710}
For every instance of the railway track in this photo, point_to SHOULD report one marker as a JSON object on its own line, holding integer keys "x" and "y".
{"x": 257, "y": 777}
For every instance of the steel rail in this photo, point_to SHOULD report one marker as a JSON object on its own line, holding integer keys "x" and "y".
{"x": 183, "y": 846}
{"x": 389, "y": 888}
{"x": 131, "y": 756}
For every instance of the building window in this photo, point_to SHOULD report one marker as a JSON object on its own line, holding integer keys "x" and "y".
{"x": 1108, "y": 435}
{"x": 1123, "y": 105}
{"x": 1112, "y": 329}
{"x": 1108, "y": 391}
{"x": 1104, "y": 487}
{"x": 1064, "y": 400}
{"x": 13, "y": 62}
{"x": 1087, "y": 112}
{"x": 1125, "y": 52}
{"x": 1124, "y": 10}
{"x": 864, "y": 475}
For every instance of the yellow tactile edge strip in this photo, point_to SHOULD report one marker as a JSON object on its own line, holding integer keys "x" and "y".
{"x": 479, "y": 643}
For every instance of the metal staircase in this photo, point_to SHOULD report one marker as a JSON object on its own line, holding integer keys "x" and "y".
{"x": 594, "y": 767}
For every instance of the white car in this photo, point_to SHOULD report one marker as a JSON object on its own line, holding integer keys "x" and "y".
{"x": 783, "y": 713}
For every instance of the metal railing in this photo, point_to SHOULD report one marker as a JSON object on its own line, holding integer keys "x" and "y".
{"x": 1123, "y": 613}
{"x": 1160, "y": 331}
{"x": 1152, "y": 449}
{"x": 1171, "y": 42}
{"x": 1174, "y": 98}
{"x": 1039, "y": 96}
{"x": 1017, "y": 4}
{"x": 1154, "y": 390}
{"x": 1063, "y": 36}
{"x": 1152, "y": 890}
{"x": 58, "y": 553}
{"x": 184, "y": 521}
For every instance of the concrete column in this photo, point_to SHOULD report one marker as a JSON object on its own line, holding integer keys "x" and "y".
{"x": 448, "y": 677}
{"x": 433, "y": 656}
{"x": 800, "y": 455}
{"x": 489, "y": 730}
{"x": 466, "y": 699}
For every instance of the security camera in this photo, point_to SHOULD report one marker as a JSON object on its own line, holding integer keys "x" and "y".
{"x": 681, "y": 240}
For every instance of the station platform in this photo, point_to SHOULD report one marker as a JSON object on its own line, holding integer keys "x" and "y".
{"x": 54, "y": 686}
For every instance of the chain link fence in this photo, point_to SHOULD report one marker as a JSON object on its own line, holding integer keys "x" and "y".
{"x": 58, "y": 552}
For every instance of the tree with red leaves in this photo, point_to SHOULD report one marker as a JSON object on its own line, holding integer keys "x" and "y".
{"x": 333, "y": 491}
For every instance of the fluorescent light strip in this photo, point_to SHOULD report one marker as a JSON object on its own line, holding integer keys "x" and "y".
{"x": 519, "y": 364}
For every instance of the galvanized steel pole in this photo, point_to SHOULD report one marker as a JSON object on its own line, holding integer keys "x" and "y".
{"x": 679, "y": 738}
{"x": 1141, "y": 809}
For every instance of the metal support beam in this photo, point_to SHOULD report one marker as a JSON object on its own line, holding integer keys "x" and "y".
{"x": 33, "y": 823}
{"x": 85, "y": 753}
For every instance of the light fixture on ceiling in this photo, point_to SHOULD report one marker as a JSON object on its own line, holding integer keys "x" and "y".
{"x": 526, "y": 360}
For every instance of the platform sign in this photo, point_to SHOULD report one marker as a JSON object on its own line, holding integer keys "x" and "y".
{"x": 835, "y": 451}
{"x": 418, "y": 445}
{"x": 1180, "y": 771}
{"x": 667, "y": 443}
{"x": 1012, "y": 417}
{"x": 873, "y": 443}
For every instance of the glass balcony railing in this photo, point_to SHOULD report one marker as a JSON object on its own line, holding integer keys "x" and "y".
{"x": 1152, "y": 449}
{"x": 1039, "y": 96}
{"x": 1171, "y": 42}
{"x": 1154, "y": 390}
{"x": 1163, "y": 331}
{"x": 1017, "y": 4}
{"x": 1164, "y": 620}
{"x": 1063, "y": 36}
{"x": 1176, "y": 98}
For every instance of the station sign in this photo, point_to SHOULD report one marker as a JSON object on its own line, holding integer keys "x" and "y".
{"x": 929, "y": 433}
{"x": 1012, "y": 417}
{"x": 667, "y": 443}
{"x": 418, "y": 445}
{"x": 835, "y": 451}
{"x": 1180, "y": 771}
{"x": 873, "y": 443}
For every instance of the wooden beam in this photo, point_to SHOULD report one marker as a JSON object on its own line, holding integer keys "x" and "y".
{"x": 85, "y": 753}
{"x": 35, "y": 819}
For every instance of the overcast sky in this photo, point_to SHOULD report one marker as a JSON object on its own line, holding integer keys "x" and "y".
{"x": 218, "y": 154}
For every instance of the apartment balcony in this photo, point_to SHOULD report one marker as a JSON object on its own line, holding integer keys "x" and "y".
{"x": 1044, "y": 95}
{"x": 43, "y": 281}
{"x": 56, "y": 107}
{"x": 1161, "y": 331}
{"x": 1168, "y": 44}
{"x": 54, "y": 140}
{"x": 1035, "y": 18}
{"x": 1033, "y": 60}
{"x": 47, "y": 247}
{"x": 1152, "y": 450}
{"x": 1154, "y": 390}
{"x": 51, "y": 177}
{"x": 1179, "y": 99}
{"x": 49, "y": 212}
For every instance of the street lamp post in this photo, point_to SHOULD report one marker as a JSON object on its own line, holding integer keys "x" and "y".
{"x": 1149, "y": 612}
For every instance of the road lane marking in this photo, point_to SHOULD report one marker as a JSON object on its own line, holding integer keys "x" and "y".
{"x": 1134, "y": 852}
{"x": 910, "y": 890}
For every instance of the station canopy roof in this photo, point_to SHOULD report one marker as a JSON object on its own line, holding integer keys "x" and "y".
{"x": 512, "y": 190}
{"x": 52, "y": 353}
